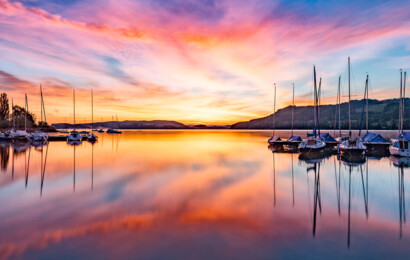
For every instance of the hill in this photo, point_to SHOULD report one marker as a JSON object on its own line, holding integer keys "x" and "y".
{"x": 383, "y": 114}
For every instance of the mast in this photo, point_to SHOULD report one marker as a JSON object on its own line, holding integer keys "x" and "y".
{"x": 366, "y": 93}
{"x": 293, "y": 105}
{"x": 25, "y": 113}
{"x": 92, "y": 111}
{"x": 12, "y": 111}
{"x": 318, "y": 105}
{"x": 400, "y": 101}
{"x": 348, "y": 66}
{"x": 404, "y": 100}
{"x": 339, "y": 94}
{"x": 42, "y": 103}
{"x": 315, "y": 99}
{"x": 274, "y": 112}
{"x": 74, "y": 108}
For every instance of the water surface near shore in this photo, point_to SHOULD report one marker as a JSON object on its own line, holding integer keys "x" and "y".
{"x": 198, "y": 194}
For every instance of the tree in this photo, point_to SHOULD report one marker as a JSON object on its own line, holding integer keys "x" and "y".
{"x": 4, "y": 107}
{"x": 19, "y": 114}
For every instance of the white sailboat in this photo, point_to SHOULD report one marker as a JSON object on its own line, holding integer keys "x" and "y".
{"x": 22, "y": 135}
{"x": 351, "y": 147}
{"x": 39, "y": 136}
{"x": 274, "y": 139}
{"x": 400, "y": 146}
{"x": 113, "y": 130}
{"x": 74, "y": 137}
{"x": 92, "y": 137}
{"x": 314, "y": 144}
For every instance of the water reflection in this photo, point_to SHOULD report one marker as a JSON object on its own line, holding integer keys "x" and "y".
{"x": 198, "y": 194}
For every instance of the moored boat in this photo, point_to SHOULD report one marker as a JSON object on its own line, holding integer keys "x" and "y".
{"x": 39, "y": 136}
{"x": 274, "y": 140}
{"x": 400, "y": 146}
{"x": 314, "y": 144}
{"x": 92, "y": 137}
{"x": 74, "y": 137}
{"x": 353, "y": 147}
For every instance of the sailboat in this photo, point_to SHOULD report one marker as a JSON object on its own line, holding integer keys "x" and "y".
{"x": 113, "y": 130}
{"x": 293, "y": 140}
{"x": 74, "y": 137}
{"x": 22, "y": 135}
{"x": 352, "y": 147}
{"x": 274, "y": 139}
{"x": 375, "y": 143}
{"x": 400, "y": 146}
{"x": 92, "y": 137}
{"x": 314, "y": 144}
{"x": 325, "y": 137}
{"x": 39, "y": 137}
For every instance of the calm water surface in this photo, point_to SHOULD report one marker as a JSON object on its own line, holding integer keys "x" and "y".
{"x": 197, "y": 195}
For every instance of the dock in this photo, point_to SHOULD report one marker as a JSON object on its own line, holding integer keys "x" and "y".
{"x": 57, "y": 138}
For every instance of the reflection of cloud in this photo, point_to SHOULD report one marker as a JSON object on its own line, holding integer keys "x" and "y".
{"x": 46, "y": 239}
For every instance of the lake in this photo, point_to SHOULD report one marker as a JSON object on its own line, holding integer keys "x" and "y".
{"x": 199, "y": 194}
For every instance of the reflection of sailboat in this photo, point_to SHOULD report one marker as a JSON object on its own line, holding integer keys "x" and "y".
{"x": 337, "y": 181}
{"x": 402, "y": 200}
{"x": 43, "y": 169}
{"x": 274, "y": 179}
{"x": 349, "y": 206}
{"x": 92, "y": 166}
{"x": 365, "y": 186}
{"x": 365, "y": 196}
{"x": 27, "y": 165}
{"x": 4, "y": 155}
{"x": 317, "y": 205}
{"x": 293, "y": 184}
{"x": 74, "y": 169}
{"x": 400, "y": 161}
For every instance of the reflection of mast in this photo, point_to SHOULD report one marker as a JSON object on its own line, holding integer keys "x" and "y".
{"x": 74, "y": 171}
{"x": 274, "y": 180}
{"x": 348, "y": 215}
{"x": 12, "y": 166}
{"x": 293, "y": 184}
{"x": 27, "y": 164}
{"x": 402, "y": 206}
{"x": 337, "y": 181}
{"x": 92, "y": 166}
{"x": 317, "y": 203}
{"x": 365, "y": 190}
{"x": 43, "y": 169}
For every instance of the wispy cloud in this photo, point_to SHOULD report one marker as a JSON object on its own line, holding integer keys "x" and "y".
{"x": 161, "y": 56}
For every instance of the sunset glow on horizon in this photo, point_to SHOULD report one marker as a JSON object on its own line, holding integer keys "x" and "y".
{"x": 210, "y": 62}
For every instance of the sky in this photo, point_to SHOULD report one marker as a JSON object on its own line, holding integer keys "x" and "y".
{"x": 196, "y": 61}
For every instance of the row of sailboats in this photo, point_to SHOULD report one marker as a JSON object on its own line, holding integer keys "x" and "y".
{"x": 38, "y": 136}
{"x": 349, "y": 146}
{"x": 75, "y": 137}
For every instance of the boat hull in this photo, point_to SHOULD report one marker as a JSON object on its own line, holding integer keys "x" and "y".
{"x": 399, "y": 152}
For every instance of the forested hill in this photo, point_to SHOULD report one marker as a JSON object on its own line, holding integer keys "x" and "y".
{"x": 383, "y": 114}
